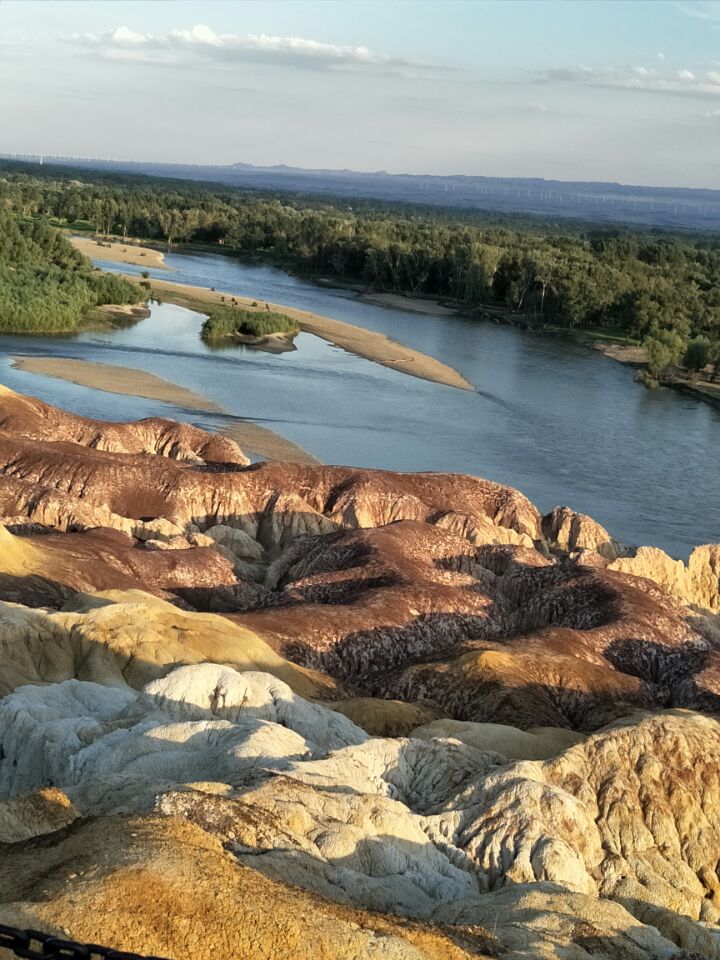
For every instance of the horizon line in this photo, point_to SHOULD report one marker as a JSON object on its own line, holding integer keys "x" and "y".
{"x": 50, "y": 157}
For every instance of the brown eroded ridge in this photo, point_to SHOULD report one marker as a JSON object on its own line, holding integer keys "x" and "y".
{"x": 27, "y": 417}
{"x": 411, "y": 586}
{"x": 350, "y": 712}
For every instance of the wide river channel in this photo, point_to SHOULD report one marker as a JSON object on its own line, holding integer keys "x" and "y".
{"x": 561, "y": 422}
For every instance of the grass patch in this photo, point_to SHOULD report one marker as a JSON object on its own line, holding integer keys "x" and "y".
{"x": 614, "y": 334}
{"x": 73, "y": 226}
{"x": 228, "y": 321}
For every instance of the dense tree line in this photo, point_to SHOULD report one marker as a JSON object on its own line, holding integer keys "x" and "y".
{"x": 45, "y": 284}
{"x": 654, "y": 287}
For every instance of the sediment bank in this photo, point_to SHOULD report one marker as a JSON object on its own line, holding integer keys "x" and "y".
{"x": 118, "y": 251}
{"x": 363, "y": 343}
{"x": 253, "y": 438}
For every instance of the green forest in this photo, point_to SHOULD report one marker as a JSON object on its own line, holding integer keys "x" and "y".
{"x": 46, "y": 286}
{"x": 651, "y": 287}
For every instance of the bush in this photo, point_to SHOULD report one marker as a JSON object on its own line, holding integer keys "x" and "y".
{"x": 715, "y": 358}
{"x": 644, "y": 376}
{"x": 663, "y": 350}
{"x": 697, "y": 355}
{"x": 226, "y": 322}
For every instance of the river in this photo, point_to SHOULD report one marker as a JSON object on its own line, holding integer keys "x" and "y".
{"x": 562, "y": 423}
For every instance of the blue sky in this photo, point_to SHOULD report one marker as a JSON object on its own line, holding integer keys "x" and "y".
{"x": 568, "y": 89}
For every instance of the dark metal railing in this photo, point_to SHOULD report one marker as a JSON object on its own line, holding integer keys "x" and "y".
{"x": 42, "y": 946}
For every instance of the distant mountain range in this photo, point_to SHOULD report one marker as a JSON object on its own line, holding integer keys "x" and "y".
{"x": 603, "y": 202}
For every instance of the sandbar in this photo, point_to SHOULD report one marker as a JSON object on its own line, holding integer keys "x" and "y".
{"x": 364, "y": 343}
{"x": 119, "y": 252}
{"x": 414, "y": 304}
{"x": 264, "y": 443}
{"x": 251, "y": 437}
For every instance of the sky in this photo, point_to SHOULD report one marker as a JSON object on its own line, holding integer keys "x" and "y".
{"x": 612, "y": 90}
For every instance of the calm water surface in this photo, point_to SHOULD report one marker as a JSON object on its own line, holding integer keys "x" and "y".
{"x": 560, "y": 422}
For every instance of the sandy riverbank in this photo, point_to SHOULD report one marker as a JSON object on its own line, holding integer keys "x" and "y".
{"x": 253, "y": 438}
{"x": 270, "y": 343}
{"x": 119, "y": 252}
{"x": 635, "y": 356}
{"x": 622, "y": 352}
{"x": 111, "y": 314}
{"x": 266, "y": 444}
{"x": 414, "y": 304}
{"x": 364, "y": 343}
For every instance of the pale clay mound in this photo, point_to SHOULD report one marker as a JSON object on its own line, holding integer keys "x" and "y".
{"x": 433, "y": 830}
{"x": 187, "y": 784}
{"x": 130, "y": 638}
{"x": 168, "y": 887}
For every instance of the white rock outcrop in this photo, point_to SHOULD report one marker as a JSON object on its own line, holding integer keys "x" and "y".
{"x": 110, "y": 747}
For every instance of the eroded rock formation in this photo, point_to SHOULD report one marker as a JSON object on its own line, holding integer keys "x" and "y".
{"x": 130, "y": 638}
{"x": 568, "y": 532}
{"x": 287, "y": 710}
{"x": 624, "y": 824}
{"x": 31, "y": 418}
{"x": 164, "y": 885}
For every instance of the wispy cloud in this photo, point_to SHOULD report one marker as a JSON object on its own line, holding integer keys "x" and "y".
{"x": 639, "y": 78}
{"x": 201, "y": 43}
{"x": 707, "y": 10}
{"x": 709, "y": 120}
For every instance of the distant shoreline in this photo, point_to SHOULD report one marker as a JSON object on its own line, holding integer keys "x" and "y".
{"x": 371, "y": 345}
{"x": 634, "y": 356}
